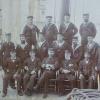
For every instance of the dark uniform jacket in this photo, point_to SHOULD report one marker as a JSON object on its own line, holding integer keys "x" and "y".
{"x": 69, "y": 65}
{"x": 5, "y": 51}
{"x": 23, "y": 53}
{"x": 51, "y": 61}
{"x": 32, "y": 65}
{"x": 94, "y": 52}
{"x": 6, "y": 48}
{"x": 60, "y": 49}
{"x": 98, "y": 61}
{"x": 1, "y": 55}
{"x": 12, "y": 66}
{"x": 50, "y": 32}
{"x": 87, "y": 68}
{"x": 30, "y": 34}
{"x": 87, "y": 30}
{"x": 69, "y": 32}
{"x": 77, "y": 53}
{"x": 42, "y": 51}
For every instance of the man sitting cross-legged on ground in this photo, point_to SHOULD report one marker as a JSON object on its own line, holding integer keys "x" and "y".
{"x": 50, "y": 66}
{"x": 66, "y": 72}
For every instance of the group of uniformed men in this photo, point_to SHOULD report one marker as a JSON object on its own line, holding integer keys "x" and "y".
{"x": 31, "y": 64}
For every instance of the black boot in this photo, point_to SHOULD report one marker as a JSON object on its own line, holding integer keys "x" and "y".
{"x": 45, "y": 95}
{"x": 20, "y": 93}
{"x": 28, "y": 92}
{"x": 4, "y": 95}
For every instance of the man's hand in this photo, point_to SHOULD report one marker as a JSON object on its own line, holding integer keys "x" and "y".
{"x": 43, "y": 65}
{"x": 33, "y": 72}
{"x": 81, "y": 76}
{"x": 50, "y": 67}
{"x": 15, "y": 75}
{"x": 93, "y": 77}
{"x": 65, "y": 71}
{"x": 3, "y": 73}
{"x": 26, "y": 68}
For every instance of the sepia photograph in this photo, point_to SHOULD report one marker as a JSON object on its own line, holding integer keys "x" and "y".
{"x": 49, "y": 49}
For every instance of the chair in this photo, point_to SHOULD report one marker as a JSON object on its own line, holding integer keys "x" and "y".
{"x": 67, "y": 86}
{"x": 52, "y": 87}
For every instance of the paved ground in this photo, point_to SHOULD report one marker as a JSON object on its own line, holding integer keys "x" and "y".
{"x": 13, "y": 96}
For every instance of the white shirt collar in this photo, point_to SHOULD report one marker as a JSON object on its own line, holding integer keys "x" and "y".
{"x": 60, "y": 44}
{"x": 40, "y": 43}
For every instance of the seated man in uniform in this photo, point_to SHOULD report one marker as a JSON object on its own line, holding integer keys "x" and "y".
{"x": 66, "y": 72}
{"x": 60, "y": 45}
{"x": 93, "y": 49}
{"x": 77, "y": 50}
{"x": 7, "y": 46}
{"x": 1, "y": 55}
{"x": 12, "y": 64}
{"x": 87, "y": 72}
{"x": 22, "y": 50}
{"x": 50, "y": 66}
{"x": 42, "y": 47}
{"x": 32, "y": 66}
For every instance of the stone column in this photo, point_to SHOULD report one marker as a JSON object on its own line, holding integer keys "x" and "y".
{"x": 16, "y": 20}
{"x": 65, "y": 9}
{"x": 6, "y": 6}
{"x": 35, "y": 11}
{"x": 11, "y": 18}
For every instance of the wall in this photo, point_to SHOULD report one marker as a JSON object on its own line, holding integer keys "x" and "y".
{"x": 78, "y": 7}
{"x": 15, "y": 12}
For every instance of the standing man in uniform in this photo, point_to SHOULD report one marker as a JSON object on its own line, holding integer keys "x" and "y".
{"x": 49, "y": 30}
{"x": 68, "y": 29}
{"x": 30, "y": 31}
{"x": 49, "y": 66}
{"x": 87, "y": 28}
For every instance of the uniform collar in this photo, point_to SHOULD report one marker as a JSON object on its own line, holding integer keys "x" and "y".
{"x": 14, "y": 59}
{"x": 32, "y": 59}
{"x": 60, "y": 43}
{"x": 30, "y": 26}
{"x": 41, "y": 43}
{"x": 77, "y": 46}
{"x": 91, "y": 45}
{"x": 23, "y": 45}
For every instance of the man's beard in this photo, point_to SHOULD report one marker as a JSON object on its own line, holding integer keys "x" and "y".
{"x": 86, "y": 20}
{"x": 75, "y": 44}
{"x": 23, "y": 42}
